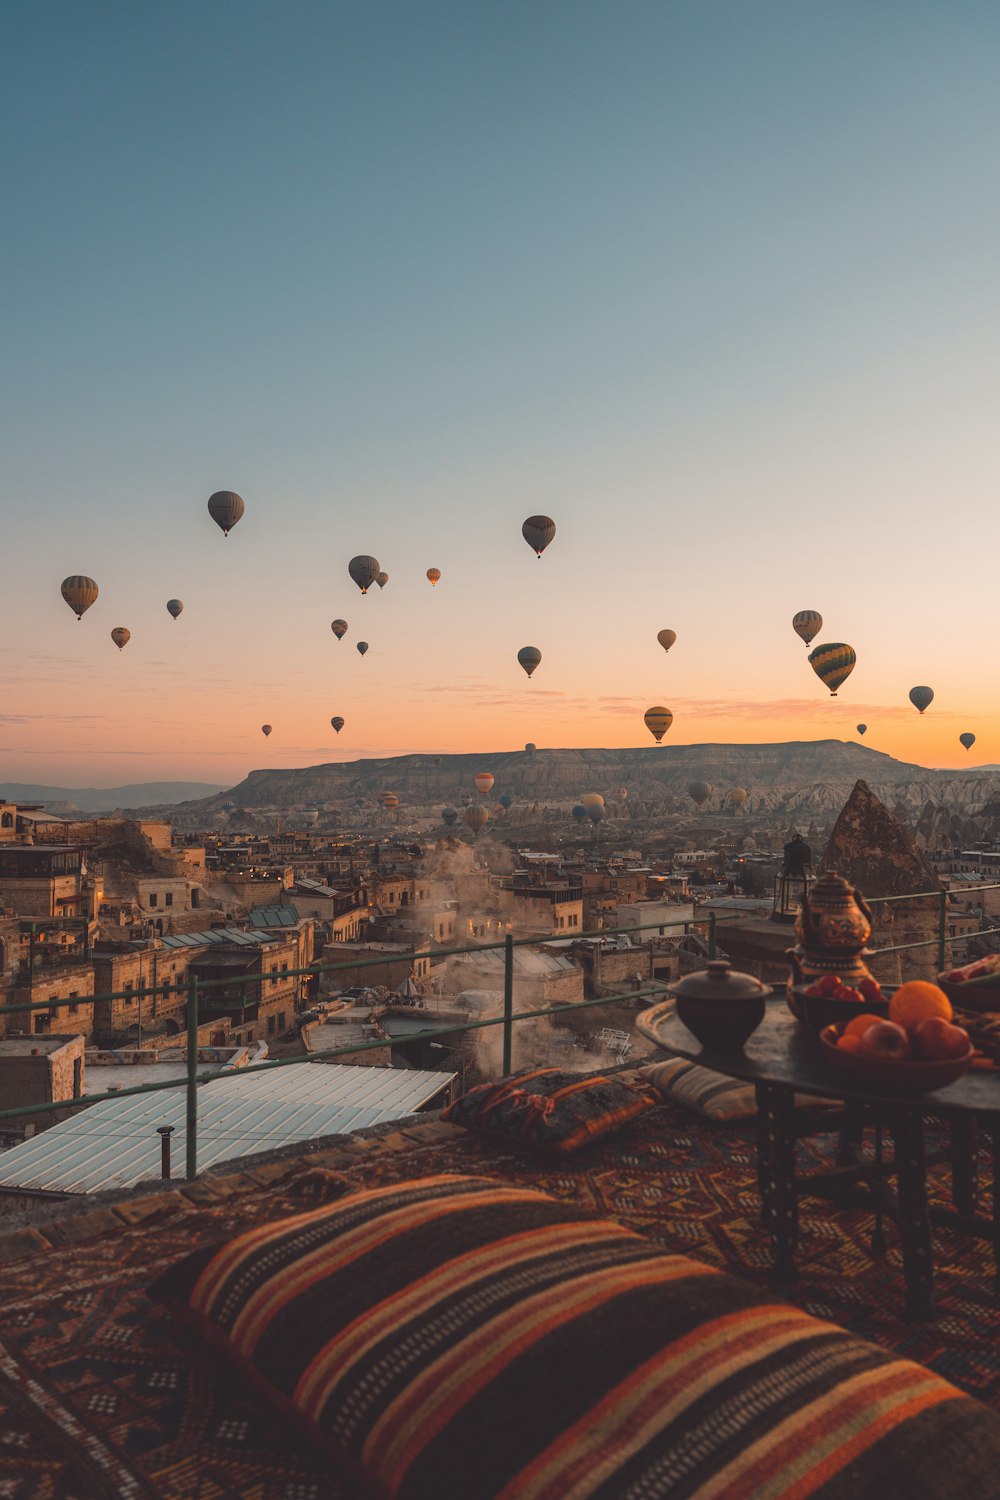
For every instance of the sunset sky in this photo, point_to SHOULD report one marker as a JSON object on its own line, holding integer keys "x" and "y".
{"x": 714, "y": 285}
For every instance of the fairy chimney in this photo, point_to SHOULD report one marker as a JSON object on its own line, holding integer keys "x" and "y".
{"x": 872, "y": 849}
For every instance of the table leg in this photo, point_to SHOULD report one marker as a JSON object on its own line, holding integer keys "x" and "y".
{"x": 964, "y": 1163}
{"x": 914, "y": 1219}
{"x": 995, "y": 1133}
{"x": 776, "y": 1175}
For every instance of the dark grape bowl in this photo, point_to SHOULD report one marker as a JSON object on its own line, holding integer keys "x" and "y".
{"x": 817, "y": 1011}
{"x": 896, "y": 1075}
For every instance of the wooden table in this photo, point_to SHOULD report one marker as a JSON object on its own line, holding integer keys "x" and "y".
{"x": 783, "y": 1058}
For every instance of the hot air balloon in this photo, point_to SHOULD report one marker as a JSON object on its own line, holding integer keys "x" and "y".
{"x": 121, "y": 636}
{"x": 174, "y": 607}
{"x": 967, "y": 739}
{"x": 506, "y": 800}
{"x": 699, "y": 792}
{"x": 381, "y": 579}
{"x": 476, "y": 817}
{"x": 339, "y": 628}
{"x": 483, "y": 780}
{"x": 79, "y": 593}
{"x": 833, "y": 663}
{"x": 658, "y": 720}
{"x": 596, "y": 813}
{"x": 538, "y": 532}
{"x": 433, "y": 575}
{"x": 738, "y": 795}
{"x": 530, "y": 748}
{"x": 265, "y": 730}
{"x": 449, "y": 816}
{"x": 921, "y": 697}
{"x": 337, "y": 723}
{"x": 592, "y": 799}
{"x": 225, "y": 507}
{"x": 437, "y": 760}
{"x": 666, "y": 638}
{"x": 312, "y": 818}
{"x": 622, "y": 794}
{"x": 389, "y": 800}
{"x": 364, "y": 570}
{"x": 807, "y": 624}
{"x": 579, "y": 812}
{"x": 529, "y": 658}
{"x": 362, "y": 647}
{"x": 862, "y": 728}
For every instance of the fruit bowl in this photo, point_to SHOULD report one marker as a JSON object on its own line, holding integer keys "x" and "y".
{"x": 817, "y": 1011}
{"x": 975, "y": 997}
{"x": 902, "y": 1075}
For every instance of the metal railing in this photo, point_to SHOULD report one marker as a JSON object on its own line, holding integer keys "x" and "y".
{"x": 194, "y": 989}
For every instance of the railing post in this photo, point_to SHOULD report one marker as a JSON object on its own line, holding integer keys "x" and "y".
{"x": 508, "y": 1000}
{"x": 711, "y": 934}
{"x": 191, "y": 1170}
{"x": 942, "y": 931}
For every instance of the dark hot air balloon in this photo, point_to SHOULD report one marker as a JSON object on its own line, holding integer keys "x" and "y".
{"x": 362, "y": 647}
{"x": 265, "y": 730}
{"x": 337, "y": 722}
{"x": 364, "y": 570}
{"x": 538, "y": 532}
{"x": 921, "y": 697}
{"x": 79, "y": 593}
{"x": 596, "y": 813}
{"x": 382, "y": 579}
{"x": 658, "y": 720}
{"x": 339, "y": 628}
{"x": 807, "y": 624}
{"x": 506, "y": 800}
{"x": 833, "y": 663}
{"x": 121, "y": 636}
{"x": 174, "y": 607}
{"x": 529, "y": 658}
{"x": 476, "y": 817}
{"x": 666, "y": 638}
{"x": 449, "y": 816}
{"x": 699, "y": 792}
{"x": 579, "y": 812}
{"x": 530, "y": 748}
{"x": 433, "y": 574}
{"x": 967, "y": 739}
{"x": 862, "y": 728}
{"x": 225, "y": 507}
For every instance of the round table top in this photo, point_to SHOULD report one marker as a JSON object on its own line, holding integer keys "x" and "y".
{"x": 783, "y": 1051}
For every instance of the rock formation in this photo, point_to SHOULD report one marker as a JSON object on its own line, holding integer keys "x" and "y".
{"x": 871, "y": 848}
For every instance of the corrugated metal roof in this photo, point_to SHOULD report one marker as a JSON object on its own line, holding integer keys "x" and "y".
{"x": 316, "y": 887}
{"x": 216, "y": 935}
{"x": 526, "y": 961}
{"x": 274, "y": 916}
{"x": 115, "y": 1144}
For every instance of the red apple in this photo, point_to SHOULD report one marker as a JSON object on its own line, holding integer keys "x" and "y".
{"x": 884, "y": 1039}
{"x": 936, "y": 1039}
{"x": 870, "y": 988}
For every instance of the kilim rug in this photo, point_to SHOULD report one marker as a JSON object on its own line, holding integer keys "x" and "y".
{"x": 101, "y": 1395}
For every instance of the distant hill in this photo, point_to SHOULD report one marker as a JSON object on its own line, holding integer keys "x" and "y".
{"x": 803, "y": 777}
{"x": 98, "y": 799}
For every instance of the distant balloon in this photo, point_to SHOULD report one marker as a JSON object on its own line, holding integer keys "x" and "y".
{"x": 121, "y": 636}
{"x": 967, "y": 739}
{"x": 265, "y": 730}
{"x": 449, "y": 816}
{"x": 364, "y": 570}
{"x": 862, "y": 728}
{"x": 337, "y": 723}
{"x": 592, "y": 799}
{"x": 311, "y": 818}
{"x": 596, "y": 813}
{"x": 530, "y": 748}
{"x": 921, "y": 697}
{"x": 433, "y": 575}
{"x": 389, "y": 800}
{"x": 225, "y": 507}
{"x": 807, "y": 624}
{"x": 833, "y": 663}
{"x": 339, "y": 628}
{"x": 666, "y": 638}
{"x": 484, "y": 780}
{"x": 476, "y": 817}
{"x": 622, "y": 794}
{"x": 579, "y": 812}
{"x": 174, "y": 607}
{"x": 362, "y": 647}
{"x": 738, "y": 795}
{"x": 382, "y": 579}
{"x": 538, "y": 532}
{"x": 529, "y": 658}
{"x": 699, "y": 792}
{"x": 437, "y": 760}
{"x": 658, "y": 720}
{"x": 506, "y": 800}
{"x": 79, "y": 593}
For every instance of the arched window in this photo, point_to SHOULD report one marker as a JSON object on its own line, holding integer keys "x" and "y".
{"x": 7, "y": 820}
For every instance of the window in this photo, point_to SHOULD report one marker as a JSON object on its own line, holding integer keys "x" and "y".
{"x": 168, "y": 899}
{"x": 73, "y": 999}
{"x": 270, "y": 1026}
{"x": 151, "y": 899}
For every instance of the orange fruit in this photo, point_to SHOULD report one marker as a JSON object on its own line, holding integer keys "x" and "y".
{"x": 914, "y": 1001}
{"x": 848, "y": 1043}
{"x": 860, "y": 1024}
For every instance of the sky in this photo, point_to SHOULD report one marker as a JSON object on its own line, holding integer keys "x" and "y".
{"x": 713, "y": 285}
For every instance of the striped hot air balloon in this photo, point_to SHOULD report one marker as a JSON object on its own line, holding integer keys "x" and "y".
{"x": 658, "y": 720}
{"x": 833, "y": 663}
{"x": 389, "y": 800}
{"x": 433, "y": 574}
{"x": 807, "y": 625}
{"x": 225, "y": 507}
{"x": 476, "y": 817}
{"x": 339, "y": 628}
{"x": 337, "y": 723}
{"x": 79, "y": 593}
{"x": 484, "y": 781}
{"x": 538, "y": 532}
{"x": 121, "y": 636}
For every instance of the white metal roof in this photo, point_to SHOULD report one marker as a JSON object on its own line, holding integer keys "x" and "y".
{"x": 115, "y": 1144}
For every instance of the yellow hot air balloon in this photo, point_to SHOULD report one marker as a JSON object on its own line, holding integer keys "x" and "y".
{"x": 658, "y": 720}
{"x": 484, "y": 781}
{"x": 738, "y": 795}
{"x": 666, "y": 638}
{"x": 433, "y": 574}
{"x": 807, "y": 624}
{"x": 121, "y": 636}
{"x": 833, "y": 663}
{"x": 79, "y": 593}
{"x": 592, "y": 799}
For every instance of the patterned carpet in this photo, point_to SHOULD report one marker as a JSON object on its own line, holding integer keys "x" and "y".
{"x": 100, "y": 1396}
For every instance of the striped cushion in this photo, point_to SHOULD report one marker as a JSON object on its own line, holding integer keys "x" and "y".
{"x": 713, "y": 1094}
{"x": 452, "y": 1337}
{"x": 545, "y": 1107}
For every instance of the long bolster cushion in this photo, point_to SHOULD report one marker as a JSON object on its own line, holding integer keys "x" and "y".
{"x": 456, "y": 1337}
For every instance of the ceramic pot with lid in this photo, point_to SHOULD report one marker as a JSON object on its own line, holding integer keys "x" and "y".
{"x": 720, "y": 1006}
